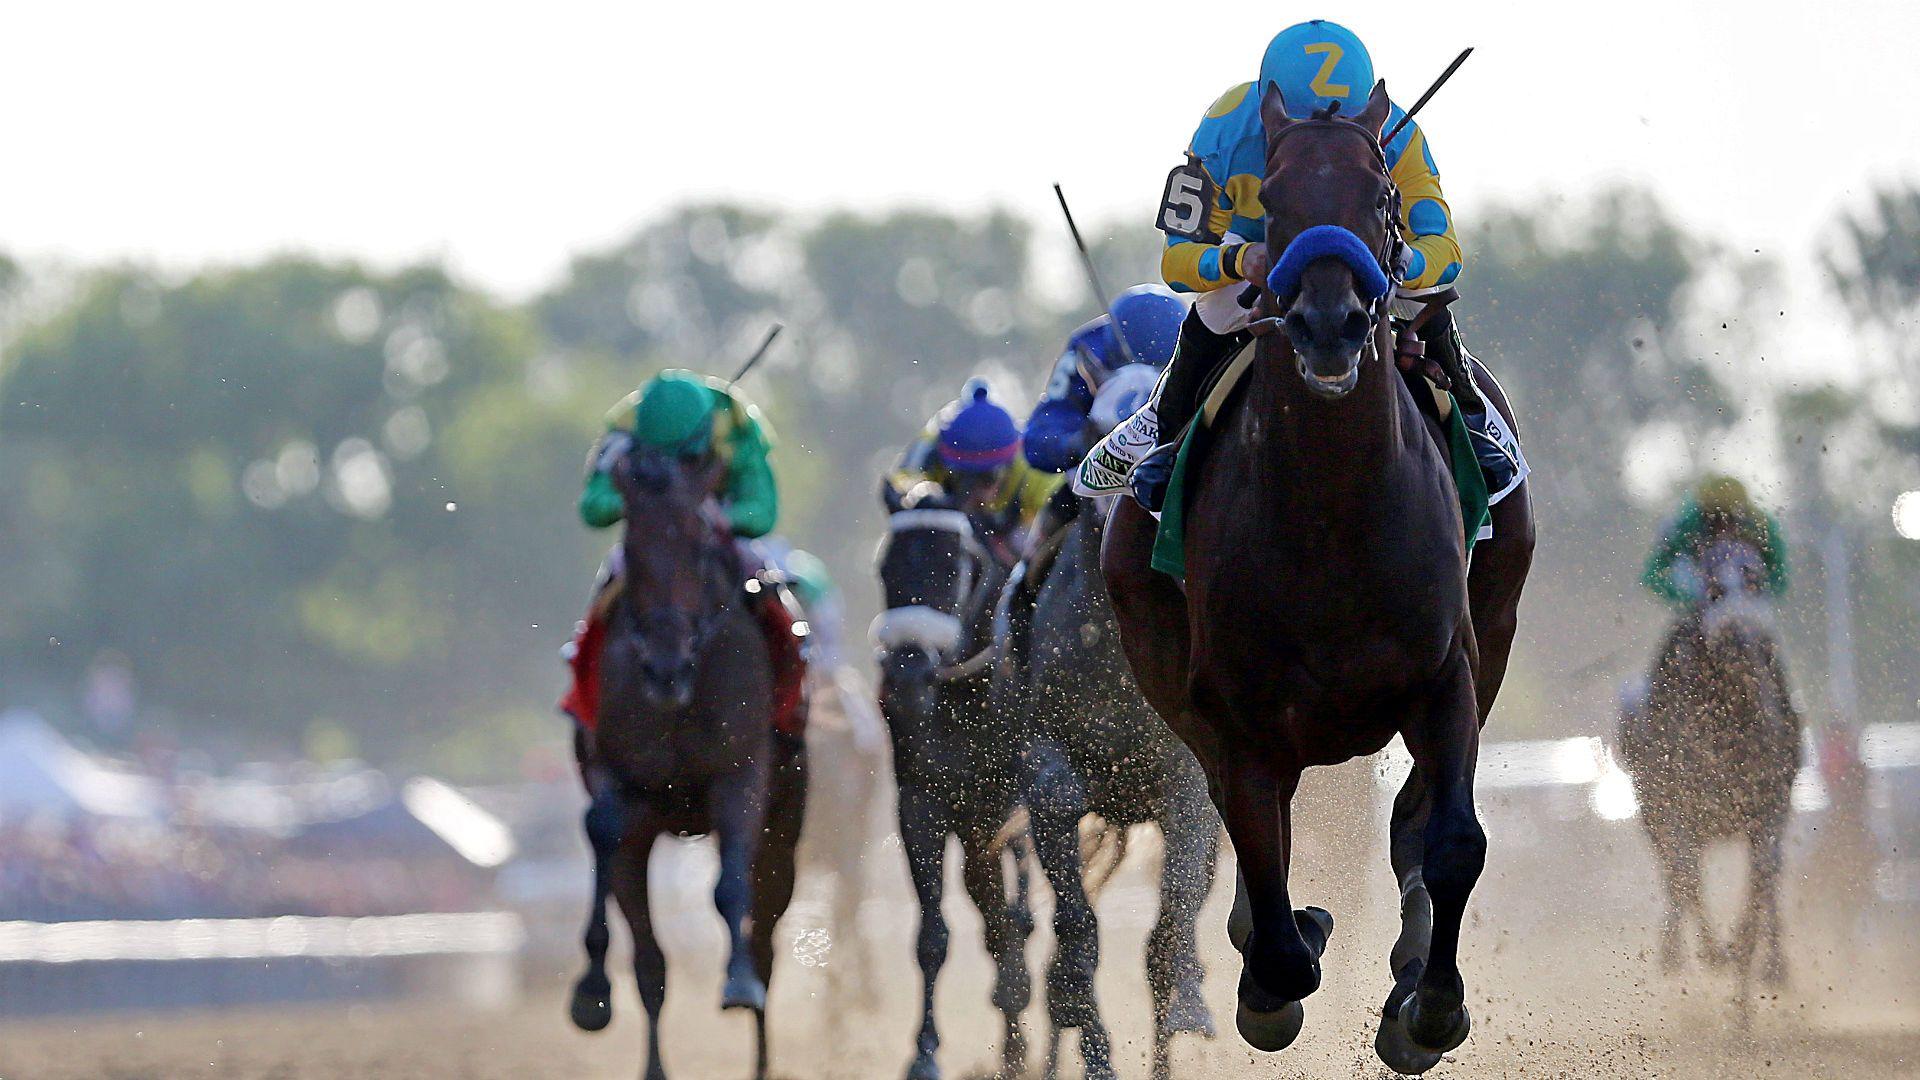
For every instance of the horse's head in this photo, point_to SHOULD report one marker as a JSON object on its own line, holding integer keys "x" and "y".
{"x": 1737, "y": 617}
{"x": 1331, "y": 234}
{"x": 679, "y": 566}
{"x": 930, "y": 569}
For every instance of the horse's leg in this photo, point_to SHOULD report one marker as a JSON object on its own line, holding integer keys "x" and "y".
{"x": 1407, "y": 849}
{"x": 1763, "y": 847}
{"x": 774, "y": 868}
{"x": 1674, "y": 873}
{"x": 1056, "y": 801}
{"x": 592, "y": 1006}
{"x": 923, "y": 833}
{"x": 1499, "y": 570}
{"x": 629, "y": 878}
{"x": 739, "y": 808}
{"x": 1150, "y": 608}
{"x": 1012, "y": 986}
{"x": 1444, "y": 740}
{"x": 1281, "y": 960}
{"x": 1190, "y": 832}
{"x": 1688, "y": 850}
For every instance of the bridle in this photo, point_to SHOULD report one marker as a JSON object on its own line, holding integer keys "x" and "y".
{"x": 972, "y": 588}
{"x": 717, "y": 569}
{"x": 1393, "y": 245}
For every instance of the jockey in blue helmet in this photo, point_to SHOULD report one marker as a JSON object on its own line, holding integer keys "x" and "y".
{"x": 969, "y": 456}
{"x": 1216, "y": 243}
{"x": 1101, "y": 376}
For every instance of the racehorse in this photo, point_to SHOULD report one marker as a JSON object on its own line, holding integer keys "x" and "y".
{"x": 1327, "y": 603}
{"x": 953, "y": 756}
{"x": 685, "y": 737}
{"x": 1713, "y": 755}
{"x": 1093, "y": 745}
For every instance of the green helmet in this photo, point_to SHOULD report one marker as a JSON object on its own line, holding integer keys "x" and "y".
{"x": 1720, "y": 494}
{"x": 674, "y": 413}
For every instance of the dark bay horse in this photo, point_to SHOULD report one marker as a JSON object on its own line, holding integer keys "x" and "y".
{"x": 686, "y": 740}
{"x": 1713, "y": 755}
{"x": 1328, "y": 604}
{"x": 1094, "y": 745}
{"x": 953, "y": 755}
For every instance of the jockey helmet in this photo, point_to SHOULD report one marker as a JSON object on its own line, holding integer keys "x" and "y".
{"x": 674, "y": 414}
{"x": 976, "y": 435}
{"x": 1316, "y": 64}
{"x": 1720, "y": 495}
{"x": 1149, "y": 317}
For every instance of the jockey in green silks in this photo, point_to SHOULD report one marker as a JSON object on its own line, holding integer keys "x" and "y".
{"x": 1718, "y": 508}
{"x": 690, "y": 416}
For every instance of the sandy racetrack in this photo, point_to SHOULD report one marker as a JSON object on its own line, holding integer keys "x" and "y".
{"x": 1557, "y": 958}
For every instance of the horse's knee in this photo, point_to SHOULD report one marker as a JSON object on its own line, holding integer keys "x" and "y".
{"x": 605, "y": 822}
{"x": 1074, "y": 922}
{"x": 1456, "y": 853}
{"x": 930, "y": 949}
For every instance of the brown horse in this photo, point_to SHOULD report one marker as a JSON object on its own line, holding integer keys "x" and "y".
{"x": 1328, "y": 604}
{"x": 685, "y": 744}
{"x": 1713, "y": 755}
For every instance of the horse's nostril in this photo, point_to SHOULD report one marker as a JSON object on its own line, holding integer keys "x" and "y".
{"x": 1298, "y": 328}
{"x": 1354, "y": 329}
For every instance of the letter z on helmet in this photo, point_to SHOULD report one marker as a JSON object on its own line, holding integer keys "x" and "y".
{"x": 1316, "y": 64}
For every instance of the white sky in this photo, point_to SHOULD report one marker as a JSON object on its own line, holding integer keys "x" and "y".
{"x": 505, "y": 138}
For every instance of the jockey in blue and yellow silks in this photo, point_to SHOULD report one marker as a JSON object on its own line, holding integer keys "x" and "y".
{"x": 1216, "y": 239}
{"x": 969, "y": 454}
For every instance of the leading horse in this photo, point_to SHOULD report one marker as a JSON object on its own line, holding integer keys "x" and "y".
{"x": 1328, "y": 604}
{"x": 685, "y": 742}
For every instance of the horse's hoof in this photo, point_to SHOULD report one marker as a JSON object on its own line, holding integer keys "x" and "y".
{"x": 924, "y": 1068}
{"x": 1397, "y": 1049}
{"x": 1270, "y": 1031}
{"x": 1437, "y": 1033}
{"x": 590, "y": 1009}
{"x": 1187, "y": 1013}
{"x": 744, "y": 992}
{"x": 1311, "y": 919}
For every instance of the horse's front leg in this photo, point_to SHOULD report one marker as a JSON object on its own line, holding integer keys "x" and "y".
{"x": 628, "y": 873}
{"x": 1056, "y": 801}
{"x": 1444, "y": 740}
{"x": 1190, "y": 830}
{"x": 592, "y": 1005}
{"x": 739, "y": 812}
{"x": 1281, "y": 959}
{"x": 924, "y": 820}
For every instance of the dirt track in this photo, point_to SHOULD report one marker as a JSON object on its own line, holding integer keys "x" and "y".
{"x": 1557, "y": 961}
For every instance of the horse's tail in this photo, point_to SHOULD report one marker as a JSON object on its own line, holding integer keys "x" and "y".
{"x": 1103, "y": 846}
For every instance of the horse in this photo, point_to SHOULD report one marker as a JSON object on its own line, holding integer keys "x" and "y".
{"x": 952, "y": 754}
{"x": 1713, "y": 754}
{"x": 685, "y": 744}
{"x": 1093, "y": 745}
{"x": 1328, "y": 603}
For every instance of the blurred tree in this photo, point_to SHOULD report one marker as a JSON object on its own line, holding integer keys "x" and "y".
{"x": 289, "y": 493}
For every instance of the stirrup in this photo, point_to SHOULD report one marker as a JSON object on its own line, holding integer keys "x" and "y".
{"x": 1152, "y": 475}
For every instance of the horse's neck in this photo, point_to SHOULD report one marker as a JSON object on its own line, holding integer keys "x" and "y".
{"x": 1320, "y": 449}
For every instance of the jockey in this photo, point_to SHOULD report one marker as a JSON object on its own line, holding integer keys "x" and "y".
{"x": 1096, "y": 361}
{"x": 1216, "y": 233}
{"x": 690, "y": 416}
{"x": 1718, "y": 508}
{"x": 970, "y": 453}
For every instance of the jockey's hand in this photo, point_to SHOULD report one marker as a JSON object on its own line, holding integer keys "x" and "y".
{"x": 1254, "y": 265}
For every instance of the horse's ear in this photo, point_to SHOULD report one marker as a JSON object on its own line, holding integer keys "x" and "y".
{"x": 1374, "y": 116}
{"x": 1273, "y": 111}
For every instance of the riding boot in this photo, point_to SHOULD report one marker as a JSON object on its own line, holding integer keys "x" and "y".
{"x": 1494, "y": 444}
{"x": 1150, "y": 438}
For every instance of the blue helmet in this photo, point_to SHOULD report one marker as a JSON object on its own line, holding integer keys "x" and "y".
{"x": 1316, "y": 64}
{"x": 1149, "y": 316}
{"x": 976, "y": 435}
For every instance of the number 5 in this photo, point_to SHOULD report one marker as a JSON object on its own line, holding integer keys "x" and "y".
{"x": 1185, "y": 205}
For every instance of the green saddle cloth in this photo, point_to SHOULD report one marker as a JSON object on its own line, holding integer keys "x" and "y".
{"x": 1170, "y": 541}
